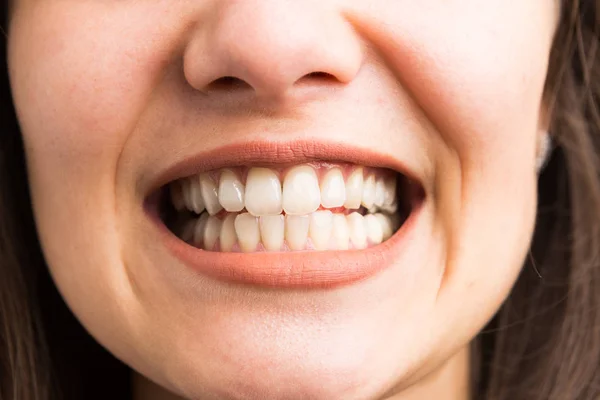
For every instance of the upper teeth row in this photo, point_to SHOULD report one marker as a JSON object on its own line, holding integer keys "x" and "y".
{"x": 301, "y": 192}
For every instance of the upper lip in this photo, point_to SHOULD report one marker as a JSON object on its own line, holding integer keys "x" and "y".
{"x": 277, "y": 154}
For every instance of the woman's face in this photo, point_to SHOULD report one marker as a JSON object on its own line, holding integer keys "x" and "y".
{"x": 117, "y": 100}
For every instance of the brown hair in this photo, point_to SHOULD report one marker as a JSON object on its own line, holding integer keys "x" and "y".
{"x": 544, "y": 342}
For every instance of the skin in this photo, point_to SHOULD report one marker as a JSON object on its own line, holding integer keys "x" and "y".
{"x": 109, "y": 94}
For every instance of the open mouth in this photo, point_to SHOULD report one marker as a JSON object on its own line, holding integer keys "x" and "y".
{"x": 313, "y": 206}
{"x": 301, "y": 214}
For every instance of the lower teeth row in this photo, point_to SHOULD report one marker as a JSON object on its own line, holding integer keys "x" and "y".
{"x": 320, "y": 230}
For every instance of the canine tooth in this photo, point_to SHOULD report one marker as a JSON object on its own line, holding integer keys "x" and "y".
{"x": 341, "y": 233}
{"x": 296, "y": 231}
{"x": 212, "y": 232}
{"x": 301, "y": 193}
{"x": 199, "y": 230}
{"x": 271, "y": 232}
{"x": 354, "y": 189}
{"x": 209, "y": 194}
{"x": 390, "y": 190}
{"x": 231, "y": 192}
{"x": 227, "y": 238}
{"x": 379, "y": 193}
{"x": 177, "y": 199}
{"x": 263, "y": 192}
{"x": 247, "y": 231}
{"x": 356, "y": 226}
{"x": 373, "y": 228}
{"x": 386, "y": 226}
{"x": 333, "y": 189}
{"x": 320, "y": 229}
{"x": 195, "y": 196}
{"x": 368, "y": 195}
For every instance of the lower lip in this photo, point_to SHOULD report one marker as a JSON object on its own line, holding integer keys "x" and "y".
{"x": 295, "y": 270}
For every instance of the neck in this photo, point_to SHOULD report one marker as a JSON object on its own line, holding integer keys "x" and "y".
{"x": 450, "y": 382}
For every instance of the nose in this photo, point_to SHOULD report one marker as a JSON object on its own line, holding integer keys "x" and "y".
{"x": 271, "y": 46}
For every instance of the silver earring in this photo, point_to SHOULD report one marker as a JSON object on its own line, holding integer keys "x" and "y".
{"x": 544, "y": 151}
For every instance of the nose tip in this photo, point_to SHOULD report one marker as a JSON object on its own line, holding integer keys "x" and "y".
{"x": 271, "y": 47}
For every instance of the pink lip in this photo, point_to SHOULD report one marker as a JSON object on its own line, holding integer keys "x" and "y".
{"x": 307, "y": 270}
{"x": 279, "y": 154}
{"x": 299, "y": 270}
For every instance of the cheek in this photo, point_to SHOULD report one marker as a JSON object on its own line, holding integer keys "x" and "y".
{"x": 77, "y": 102}
{"x": 478, "y": 74}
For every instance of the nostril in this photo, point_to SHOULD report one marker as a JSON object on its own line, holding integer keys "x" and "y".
{"x": 225, "y": 83}
{"x": 230, "y": 84}
{"x": 317, "y": 76}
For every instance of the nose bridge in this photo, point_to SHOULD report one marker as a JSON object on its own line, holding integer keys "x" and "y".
{"x": 271, "y": 44}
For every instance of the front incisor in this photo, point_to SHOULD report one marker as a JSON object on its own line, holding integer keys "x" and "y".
{"x": 320, "y": 229}
{"x": 296, "y": 231}
{"x": 272, "y": 232}
{"x": 301, "y": 192}
{"x": 263, "y": 192}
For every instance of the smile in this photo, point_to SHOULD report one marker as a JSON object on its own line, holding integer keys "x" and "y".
{"x": 298, "y": 214}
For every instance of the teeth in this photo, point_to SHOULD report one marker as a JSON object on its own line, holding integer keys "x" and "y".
{"x": 301, "y": 193}
{"x": 354, "y": 189}
{"x": 320, "y": 229}
{"x": 185, "y": 190}
{"x": 228, "y": 237}
{"x": 368, "y": 195}
{"x": 391, "y": 208}
{"x": 271, "y": 232}
{"x": 333, "y": 189}
{"x": 194, "y": 196}
{"x": 212, "y": 232}
{"x": 373, "y": 228}
{"x": 340, "y": 232}
{"x": 356, "y": 226}
{"x": 296, "y": 231}
{"x": 177, "y": 196}
{"x": 209, "y": 194}
{"x": 247, "y": 231}
{"x": 379, "y": 193}
{"x": 187, "y": 233}
{"x": 198, "y": 233}
{"x": 386, "y": 226}
{"x": 327, "y": 231}
{"x": 302, "y": 196}
{"x": 390, "y": 191}
{"x": 231, "y": 192}
{"x": 263, "y": 192}
{"x": 395, "y": 220}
